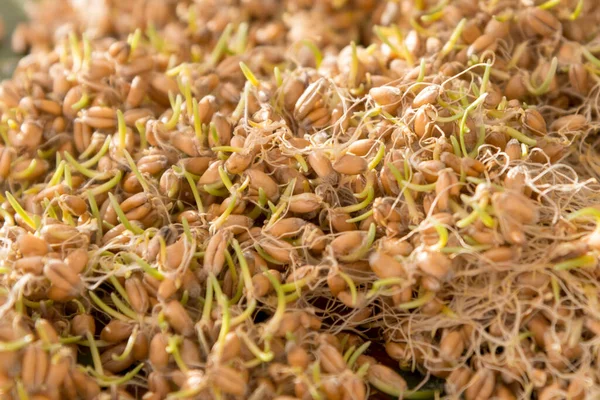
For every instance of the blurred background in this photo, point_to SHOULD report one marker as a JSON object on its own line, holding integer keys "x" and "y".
{"x": 11, "y": 13}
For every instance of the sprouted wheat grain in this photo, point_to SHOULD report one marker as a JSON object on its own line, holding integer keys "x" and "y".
{"x": 301, "y": 199}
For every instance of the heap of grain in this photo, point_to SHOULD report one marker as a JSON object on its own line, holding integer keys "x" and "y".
{"x": 251, "y": 199}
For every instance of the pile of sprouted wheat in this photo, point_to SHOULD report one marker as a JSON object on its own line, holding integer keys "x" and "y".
{"x": 301, "y": 199}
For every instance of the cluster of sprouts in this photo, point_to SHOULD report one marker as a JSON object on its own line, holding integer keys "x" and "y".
{"x": 301, "y": 199}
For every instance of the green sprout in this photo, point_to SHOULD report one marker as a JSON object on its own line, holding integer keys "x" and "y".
{"x": 263, "y": 356}
{"x": 422, "y": 70}
{"x": 34, "y": 223}
{"x": 98, "y": 153}
{"x": 521, "y": 137}
{"x": 223, "y": 217}
{"x": 134, "y": 41}
{"x": 381, "y": 283}
{"x": 225, "y": 318}
{"x": 75, "y": 51}
{"x": 85, "y": 171}
{"x": 21, "y": 391}
{"x": 478, "y": 212}
{"x": 128, "y": 347}
{"x": 400, "y": 50}
{"x": 443, "y": 234}
{"x": 545, "y": 86}
{"x": 83, "y": 102}
{"x": 358, "y": 353}
{"x": 225, "y": 178}
{"x": 249, "y": 74}
{"x": 454, "y": 37}
{"x": 190, "y": 179}
{"x": 361, "y": 217}
{"x": 251, "y": 306}
{"x": 590, "y": 57}
{"x": 122, "y": 307}
{"x": 549, "y": 4}
{"x": 555, "y": 288}
{"x": 588, "y": 260}
{"x": 137, "y": 172}
{"x": 261, "y": 252}
{"x": 206, "y": 310}
{"x": 173, "y": 349}
{"x": 17, "y": 344}
{"x": 316, "y": 52}
{"x": 58, "y": 174}
{"x": 139, "y": 125}
{"x": 421, "y": 395}
{"x": 96, "y": 360}
{"x": 435, "y": 13}
{"x": 586, "y": 212}
{"x": 486, "y": 78}
{"x": 351, "y": 286}
{"x": 147, "y": 268}
{"x": 348, "y": 352}
{"x": 239, "y": 289}
{"x": 108, "y": 381}
{"x": 406, "y": 184}
{"x": 229, "y": 149}
{"x": 87, "y": 51}
{"x": 136, "y": 230}
{"x": 363, "y": 204}
{"x": 26, "y": 173}
{"x": 258, "y": 208}
{"x": 364, "y": 248}
{"x": 117, "y": 285}
{"x": 172, "y": 122}
{"x": 221, "y": 46}
{"x": 577, "y": 11}
{"x": 301, "y": 162}
{"x": 517, "y": 54}
{"x": 96, "y": 214}
{"x": 463, "y": 123}
{"x": 241, "y": 38}
{"x": 283, "y": 203}
{"x": 273, "y": 324}
{"x": 197, "y": 123}
{"x": 418, "y": 302}
{"x": 104, "y": 307}
{"x": 378, "y": 157}
{"x": 186, "y": 89}
{"x": 187, "y": 231}
{"x": 278, "y": 77}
